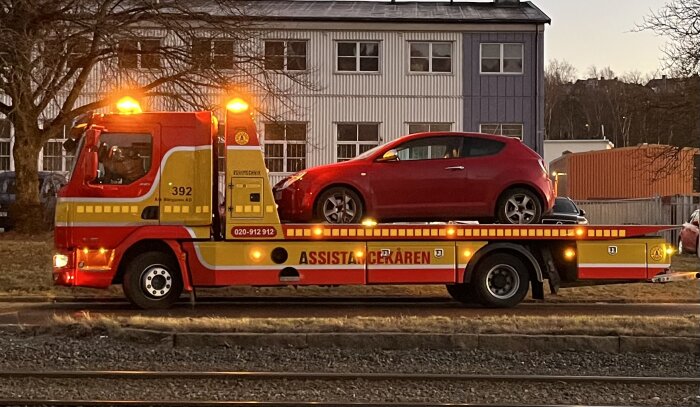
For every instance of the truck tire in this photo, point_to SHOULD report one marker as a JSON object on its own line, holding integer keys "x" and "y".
{"x": 500, "y": 280}
{"x": 461, "y": 293}
{"x": 152, "y": 281}
{"x": 519, "y": 206}
{"x": 339, "y": 205}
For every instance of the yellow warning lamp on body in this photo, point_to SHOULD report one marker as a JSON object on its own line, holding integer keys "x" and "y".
{"x": 128, "y": 105}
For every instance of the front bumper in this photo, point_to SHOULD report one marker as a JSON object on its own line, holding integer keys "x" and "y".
{"x": 84, "y": 268}
{"x": 293, "y": 204}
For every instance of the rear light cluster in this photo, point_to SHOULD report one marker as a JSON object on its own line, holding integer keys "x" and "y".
{"x": 543, "y": 165}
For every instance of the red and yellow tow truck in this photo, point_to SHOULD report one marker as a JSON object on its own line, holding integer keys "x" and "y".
{"x": 142, "y": 210}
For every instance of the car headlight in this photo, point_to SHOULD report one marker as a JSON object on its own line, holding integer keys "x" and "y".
{"x": 292, "y": 179}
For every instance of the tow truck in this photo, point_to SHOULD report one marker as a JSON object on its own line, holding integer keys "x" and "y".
{"x": 142, "y": 210}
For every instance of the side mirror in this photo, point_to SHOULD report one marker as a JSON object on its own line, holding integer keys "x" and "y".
{"x": 390, "y": 155}
{"x": 90, "y": 166}
{"x": 582, "y": 212}
{"x": 695, "y": 222}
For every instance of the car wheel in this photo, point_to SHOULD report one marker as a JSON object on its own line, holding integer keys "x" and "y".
{"x": 460, "y": 292}
{"x": 500, "y": 280}
{"x": 152, "y": 281}
{"x": 519, "y": 206}
{"x": 339, "y": 205}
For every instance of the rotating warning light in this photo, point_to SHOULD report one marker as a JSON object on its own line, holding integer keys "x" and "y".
{"x": 237, "y": 105}
{"x": 128, "y": 105}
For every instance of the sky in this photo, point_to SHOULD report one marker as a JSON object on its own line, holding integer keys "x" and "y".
{"x": 599, "y": 32}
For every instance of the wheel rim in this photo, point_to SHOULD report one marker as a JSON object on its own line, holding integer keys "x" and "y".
{"x": 156, "y": 281}
{"x": 502, "y": 281}
{"x": 339, "y": 208}
{"x": 520, "y": 208}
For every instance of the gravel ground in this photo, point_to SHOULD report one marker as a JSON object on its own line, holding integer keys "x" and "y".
{"x": 71, "y": 352}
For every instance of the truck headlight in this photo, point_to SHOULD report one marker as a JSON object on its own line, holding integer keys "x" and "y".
{"x": 60, "y": 260}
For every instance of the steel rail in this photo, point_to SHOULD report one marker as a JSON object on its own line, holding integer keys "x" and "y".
{"x": 213, "y": 403}
{"x": 203, "y": 375}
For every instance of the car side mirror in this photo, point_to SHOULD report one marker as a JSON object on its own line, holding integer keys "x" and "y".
{"x": 90, "y": 166}
{"x": 582, "y": 212}
{"x": 695, "y": 222}
{"x": 390, "y": 155}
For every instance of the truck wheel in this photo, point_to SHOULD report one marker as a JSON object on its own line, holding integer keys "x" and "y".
{"x": 519, "y": 206}
{"x": 152, "y": 281}
{"x": 461, "y": 293}
{"x": 500, "y": 280}
{"x": 339, "y": 205}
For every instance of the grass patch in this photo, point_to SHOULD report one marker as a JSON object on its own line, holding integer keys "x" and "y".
{"x": 683, "y": 326}
{"x": 25, "y": 269}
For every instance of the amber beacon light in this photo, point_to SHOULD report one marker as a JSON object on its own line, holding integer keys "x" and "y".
{"x": 237, "y": 105}
{"x": 128, "y": 105}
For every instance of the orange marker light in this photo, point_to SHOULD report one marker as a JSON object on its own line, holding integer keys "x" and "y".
{"x": 85, "y": 250}
{"x": 569, "y": 253}
{"x": 256, "y": 254}
{"x": 369, "y": 222}
{"x": 467, "y": 253}
{"x": 359, "y": 254}
{"x": 451, "y": 231}
{"x": 318, "y": 231}
{"x": 237, "y": 105}
{"x": 579, "y": 232}
{"x": 128, "y": 105}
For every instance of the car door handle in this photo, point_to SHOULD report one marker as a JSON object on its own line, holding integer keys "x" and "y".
{"x": 455, "y": 168}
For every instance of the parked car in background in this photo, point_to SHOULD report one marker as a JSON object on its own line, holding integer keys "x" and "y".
{"x": 424, "y": 177}
{"x": 49, "y": 184}
{"x": 688, "y": 238}
{"x": 565, "y": 212}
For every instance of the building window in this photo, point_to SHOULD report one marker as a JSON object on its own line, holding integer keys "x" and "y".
{"x": 5, "y": 144}
{"x": 354, "y": 139}
{"x": 285, "y": 55}
{"x": 431, "y": 56}
{"x": 510, "y": 130}
{"x": 285, "y": 147}
{"x": 55, "y": 157}
{"x": 358, "y": 56}
{"x": 502, "y": 58}
{"x": 143, "y": 53}
{"x": 425, "y": 127}
{"x": 208, "y": 53}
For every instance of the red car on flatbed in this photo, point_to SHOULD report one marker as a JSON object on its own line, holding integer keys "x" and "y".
{"x": 455, "y": 176}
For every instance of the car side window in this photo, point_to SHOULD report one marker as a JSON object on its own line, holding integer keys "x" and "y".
{"x": 123, "y": 157}
{"x": 479, "y": 147}
{"x": 430, "y": 148}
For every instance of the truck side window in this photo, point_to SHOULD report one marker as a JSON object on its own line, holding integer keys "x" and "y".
{"x": 123, "y": 157}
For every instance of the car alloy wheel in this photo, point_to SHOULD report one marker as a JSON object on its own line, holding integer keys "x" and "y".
{"x": 340, "y": 205}
{"x": 521, "y": 209}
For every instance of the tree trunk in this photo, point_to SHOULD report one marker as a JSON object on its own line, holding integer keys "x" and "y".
{"x": 27, "y": 210}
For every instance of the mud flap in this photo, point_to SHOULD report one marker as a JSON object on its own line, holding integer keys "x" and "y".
{"x": 552, "y": 272}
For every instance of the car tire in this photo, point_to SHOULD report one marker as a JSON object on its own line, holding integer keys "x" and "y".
{"x": 339, "y": 205}
{"x": 519, "y": 206}
{"x": 461, "y": 293}
{"x": 152, "y": 281}
{"x": 500, "y": 280}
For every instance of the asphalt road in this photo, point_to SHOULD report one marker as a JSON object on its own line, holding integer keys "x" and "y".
{"x": 37, "y": 313}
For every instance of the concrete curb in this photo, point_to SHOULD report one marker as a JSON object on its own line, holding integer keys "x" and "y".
{"x": 398, "y": 340}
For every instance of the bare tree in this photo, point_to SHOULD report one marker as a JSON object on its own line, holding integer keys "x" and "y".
{"x": 679, "y": 21}
{"x": 63, "y": 58}
{"x": 557, "y": 75}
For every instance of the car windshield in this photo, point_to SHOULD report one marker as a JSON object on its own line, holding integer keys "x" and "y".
{"x": 367, "y": 153}
{"x": 564, "y": 206}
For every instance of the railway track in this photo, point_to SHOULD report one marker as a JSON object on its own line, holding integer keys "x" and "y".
{"x": 64, "y": 378}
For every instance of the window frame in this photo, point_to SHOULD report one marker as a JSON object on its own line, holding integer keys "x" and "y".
{"x": 501, "y": 58}
{"x": 66, "y": 160}
{"x": 430, "y": 58}
{"x": 212, "y": 55}
{"x": 500, "y": 126}
{"x": 285, "y": 55}
{"x": 430, "y": 158}
{"x": 429, "y": 124}
{"x": 358, "y": 57}
{"x": 6, "y": 139}
{"x": 357, "y": 143}
{"x": 140, "y": 54}
{"x": 285, "y": 143}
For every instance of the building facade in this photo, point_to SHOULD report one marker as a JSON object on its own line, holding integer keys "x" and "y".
{"x": 380, "y": 70}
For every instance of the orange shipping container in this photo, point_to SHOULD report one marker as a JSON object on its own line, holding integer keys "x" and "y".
{"x": 630, "y": 172}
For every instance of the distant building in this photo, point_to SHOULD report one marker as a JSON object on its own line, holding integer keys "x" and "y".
{"x": 630, "y": 172}
{"x": 554, "y": 149}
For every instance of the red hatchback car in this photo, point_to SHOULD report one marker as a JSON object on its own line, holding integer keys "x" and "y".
{"x": 689, "y": 238}
{"x": 424, "y": 177}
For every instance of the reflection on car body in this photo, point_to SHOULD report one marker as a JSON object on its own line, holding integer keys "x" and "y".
{"x": 424, "y": 177}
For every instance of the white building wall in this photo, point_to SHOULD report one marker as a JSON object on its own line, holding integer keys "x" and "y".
{"x": 554, "y": 149}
